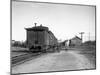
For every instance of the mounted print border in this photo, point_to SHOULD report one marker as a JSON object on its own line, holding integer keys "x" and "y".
{"x": 52, "y": 37}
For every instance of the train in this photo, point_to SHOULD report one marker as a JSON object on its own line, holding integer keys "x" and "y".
{"x": 41, "y": 39}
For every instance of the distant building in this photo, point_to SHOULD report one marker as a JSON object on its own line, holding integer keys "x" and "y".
{"x": 12, "y": 41}
{"x": 76, "y": 41}
{"x": 64, "y": 43}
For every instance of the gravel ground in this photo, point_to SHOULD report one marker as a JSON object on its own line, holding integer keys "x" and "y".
{"x": 65, "y": 60}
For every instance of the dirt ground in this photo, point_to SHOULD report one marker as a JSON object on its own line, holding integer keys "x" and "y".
{"x": 65, "y": 60}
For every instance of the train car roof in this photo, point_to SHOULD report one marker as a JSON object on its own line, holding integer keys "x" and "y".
{"x": 38, "y": 28}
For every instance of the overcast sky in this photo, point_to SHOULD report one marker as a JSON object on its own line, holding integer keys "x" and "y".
{"x": 65, "y": 21}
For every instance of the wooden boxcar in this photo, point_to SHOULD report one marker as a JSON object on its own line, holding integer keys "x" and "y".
{"x": 40, "y": 39}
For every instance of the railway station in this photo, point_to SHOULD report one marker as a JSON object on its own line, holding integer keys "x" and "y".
{"x": 43, "y": 53}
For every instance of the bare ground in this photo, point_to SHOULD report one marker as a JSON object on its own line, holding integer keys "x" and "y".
{"x": 65, "y": 60}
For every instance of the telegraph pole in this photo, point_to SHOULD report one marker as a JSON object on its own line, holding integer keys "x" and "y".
{"x": 35, "y": 24}
{"x": 89, "y": 36}
{"x": 81, "y": 35}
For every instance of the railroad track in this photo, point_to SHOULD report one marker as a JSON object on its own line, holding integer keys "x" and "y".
{"x": 22, "y": 58}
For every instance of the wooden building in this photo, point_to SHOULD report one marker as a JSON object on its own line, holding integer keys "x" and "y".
{"x": 75, "y": 41}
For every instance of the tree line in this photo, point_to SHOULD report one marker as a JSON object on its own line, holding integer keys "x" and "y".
{"x": 18, "y": 44}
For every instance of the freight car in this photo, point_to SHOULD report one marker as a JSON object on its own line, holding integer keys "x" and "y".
{"x": 40, "y": 39}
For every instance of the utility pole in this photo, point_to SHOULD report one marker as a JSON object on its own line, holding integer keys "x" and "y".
{"x": 35, "y": 24}
{"x": 81, "y": 35}
{"x": 89, "y": 36}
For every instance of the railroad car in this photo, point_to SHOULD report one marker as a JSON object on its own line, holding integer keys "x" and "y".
{"x": 40, "y": 39}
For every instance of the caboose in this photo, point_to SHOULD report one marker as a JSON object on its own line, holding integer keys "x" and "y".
{"x": 40, "y": 39}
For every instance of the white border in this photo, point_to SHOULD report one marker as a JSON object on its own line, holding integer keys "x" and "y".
{"x": 5, "y": 37}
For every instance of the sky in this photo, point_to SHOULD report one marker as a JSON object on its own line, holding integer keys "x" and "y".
{"x": 65, "y": 21}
